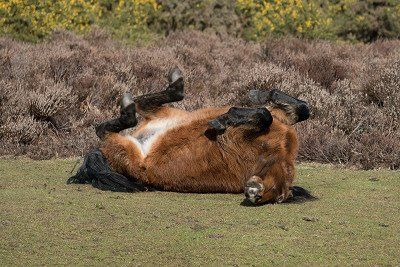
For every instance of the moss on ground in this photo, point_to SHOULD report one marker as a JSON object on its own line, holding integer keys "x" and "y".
{"x": 43, "y": 221}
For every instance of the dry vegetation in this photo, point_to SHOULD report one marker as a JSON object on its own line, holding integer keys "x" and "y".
{"x": 52, "y": 93}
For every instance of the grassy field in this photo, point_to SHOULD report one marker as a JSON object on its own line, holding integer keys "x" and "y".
{"x": 43, "y": 221}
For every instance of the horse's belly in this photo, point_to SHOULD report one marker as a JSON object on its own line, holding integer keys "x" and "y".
{"x": 151, "y": 132}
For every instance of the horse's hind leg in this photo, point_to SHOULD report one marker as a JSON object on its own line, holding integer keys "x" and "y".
{"x": 150, "y": 103}
{"x": 146, "y": 105}
{"x": 127, "y": 118}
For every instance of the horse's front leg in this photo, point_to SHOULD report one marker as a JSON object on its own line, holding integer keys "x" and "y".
{"x": 286, "y": 108}
{"x": 250, "y": 121}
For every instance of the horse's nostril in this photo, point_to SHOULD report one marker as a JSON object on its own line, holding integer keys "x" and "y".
{"x": 246, "y": 195}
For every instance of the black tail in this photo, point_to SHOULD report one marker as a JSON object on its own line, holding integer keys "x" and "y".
{"x": 96, "y": 171}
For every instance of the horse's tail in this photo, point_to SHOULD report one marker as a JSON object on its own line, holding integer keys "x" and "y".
{"x": 96, "y": 171}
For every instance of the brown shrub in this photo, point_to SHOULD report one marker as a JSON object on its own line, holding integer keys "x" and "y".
{"x": 318, "y": 60}
{"x": 21, "y": 129}
{"x": 383, "y": 88}
{"x": 50, "y": 100}
{"x": 52, "y": 93}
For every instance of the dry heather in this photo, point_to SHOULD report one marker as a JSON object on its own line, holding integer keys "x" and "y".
{"x": 53, "y": 93}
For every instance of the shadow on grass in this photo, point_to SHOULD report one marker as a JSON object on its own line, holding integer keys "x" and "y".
{"x": 300, "y": 195}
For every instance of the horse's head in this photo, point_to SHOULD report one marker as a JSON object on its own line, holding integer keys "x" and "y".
{"x": 270, "y": 182}
{"x": 260, "y": 191}
{"x": 273, "y": 176}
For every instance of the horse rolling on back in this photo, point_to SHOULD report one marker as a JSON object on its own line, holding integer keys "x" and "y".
{"x": 210, "y": 150}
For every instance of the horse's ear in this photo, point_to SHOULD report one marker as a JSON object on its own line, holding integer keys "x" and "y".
{"x": 299, "y": 193}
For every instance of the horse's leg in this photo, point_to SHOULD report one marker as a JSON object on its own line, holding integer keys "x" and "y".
{"x": 150, "y": 104}
{"x": 147, "y": 105}
{"x": 286, "y": 108}
{"x": 127, "y": 118}
{"x": 253, "y": 121}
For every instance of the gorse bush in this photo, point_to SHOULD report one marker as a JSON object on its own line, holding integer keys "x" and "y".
{"x": 128, "y": 19}
{"x": 32, "y": 20}
{"x": 218, "y": 16}
{"x": 366, "y": 20}
{"x": 134, "y": 21}
{"x": 52, "y": 93}
{"x": 280, "y": 17}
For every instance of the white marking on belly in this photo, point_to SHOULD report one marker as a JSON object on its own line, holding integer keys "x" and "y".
{"x": 136, "y": 143}
{"x": 153, "y": 130}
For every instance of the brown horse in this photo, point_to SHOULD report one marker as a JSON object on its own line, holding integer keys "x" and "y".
{"x": 225, "y": 150}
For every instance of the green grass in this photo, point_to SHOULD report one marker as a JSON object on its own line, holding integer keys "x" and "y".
{"x": 43, "y": 221}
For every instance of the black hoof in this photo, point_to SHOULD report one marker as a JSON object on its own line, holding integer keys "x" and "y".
{"x": 219, "y": 124}
{"x": 127, "y": 118}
